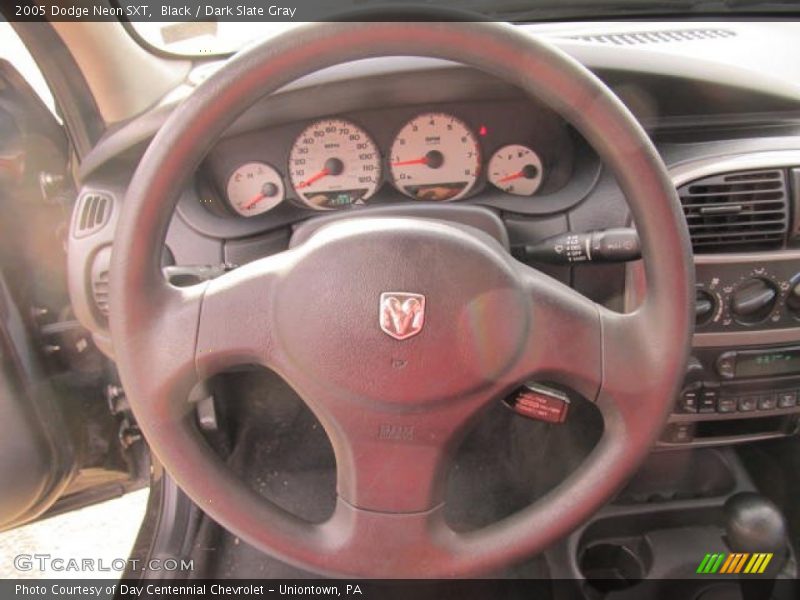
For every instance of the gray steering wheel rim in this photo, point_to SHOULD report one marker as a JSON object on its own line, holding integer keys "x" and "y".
{"x": 653, "y": 342}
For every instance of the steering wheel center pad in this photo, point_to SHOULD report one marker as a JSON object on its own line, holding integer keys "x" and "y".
{"x": 474, "y": 313}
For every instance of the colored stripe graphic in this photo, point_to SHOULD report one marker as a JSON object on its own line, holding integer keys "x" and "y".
{"x": 727, "y": 564}
{"x": 711, "y": 563}
{"x": 732, "y": 563}
{"x": 703, "y": 564}
{"x": 734, "y": 560}
{"x": 717, "y": 563}
{"x": 740, "y": 563}
{"x": 737, "y": 562}
{"x": 751, "y": 565}
{"x": 763, "y": 565}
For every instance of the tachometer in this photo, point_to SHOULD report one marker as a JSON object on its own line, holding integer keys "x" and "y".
{"x": 254, "y": 188}
{"x": 516, "y": 169}
{"x": 334, "y": 163}
{"x": 435, "y": 156}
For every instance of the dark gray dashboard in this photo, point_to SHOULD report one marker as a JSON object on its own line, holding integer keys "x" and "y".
{"x": 694, "y": 117}
{"x": 569, "y": 167}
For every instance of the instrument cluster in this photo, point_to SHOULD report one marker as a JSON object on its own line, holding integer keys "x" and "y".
{"x": 335, "y": 163}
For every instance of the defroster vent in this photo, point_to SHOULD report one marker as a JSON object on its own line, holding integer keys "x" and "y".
{"x": 745, "y": 210}
{"x": 632, "y": 38}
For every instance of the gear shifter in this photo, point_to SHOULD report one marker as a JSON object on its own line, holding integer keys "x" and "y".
{"x": 753, "y": 524}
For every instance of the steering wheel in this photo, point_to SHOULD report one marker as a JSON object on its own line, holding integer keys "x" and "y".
{"x": 394, "y": 409}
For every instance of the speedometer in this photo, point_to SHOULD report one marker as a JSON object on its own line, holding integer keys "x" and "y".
{"x": 334, "y": 163}
{"x": 435, "y": 156}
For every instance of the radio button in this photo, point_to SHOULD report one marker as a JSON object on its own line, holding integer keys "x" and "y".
{"x": 688, "y": 401}
{"x": 679, "y": 433}
{"x": 787, "y": 399}
{"x": 708, "y": 401}
{"x": 767, "y": 402}
{"x": 727, "y": 404}
{"x": 726, "y": 365}
{"x": 748, "y": 403}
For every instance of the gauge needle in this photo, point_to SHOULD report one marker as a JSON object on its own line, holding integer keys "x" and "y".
{"x": 513, "y": 176}
{"x": 254, "y": 200}
{"x": 333, "y": 166}
{"x": 433, "y": 159}
{"x": 415, "y": 161}
{"x": 528, "y": 172}
{"x": 324, "y": 173}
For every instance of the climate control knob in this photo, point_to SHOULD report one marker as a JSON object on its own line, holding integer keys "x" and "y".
{"x": 793, "y": 297}
{"x": 753, "y": 300}
{"x": 704, "y": 305}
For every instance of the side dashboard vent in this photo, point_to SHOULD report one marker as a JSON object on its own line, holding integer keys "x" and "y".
{"x": 635, "y": 38}
{"x": 100, "y": 280}
{"x": 91, "y": 213}
{"x": 745, "y": 210}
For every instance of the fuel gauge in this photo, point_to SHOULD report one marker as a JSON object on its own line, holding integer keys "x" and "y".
{"x": 516, "y": 169}
{"x": 254, "y": 188}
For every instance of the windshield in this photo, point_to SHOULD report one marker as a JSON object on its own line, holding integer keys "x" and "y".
{"x": 223, "y": 28}
{"x": 207, "y": 37}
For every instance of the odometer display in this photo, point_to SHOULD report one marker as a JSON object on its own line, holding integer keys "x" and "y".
{"x": 436, "y": 157}
{"x": 333, "y": 164}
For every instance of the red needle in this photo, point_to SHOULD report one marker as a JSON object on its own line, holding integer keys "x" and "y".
{"x": 324, "y": 173}
{"x": 516, "y": 175}
{"x": 416, "y": 161}
{"x": 254, "y": 200}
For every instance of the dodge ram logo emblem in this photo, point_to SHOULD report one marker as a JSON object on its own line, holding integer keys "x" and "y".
{"x": 401, "y": 314}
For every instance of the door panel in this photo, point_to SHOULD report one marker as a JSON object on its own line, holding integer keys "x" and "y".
{"x": 65, "y": 440}
{"x": 35, "y": 456}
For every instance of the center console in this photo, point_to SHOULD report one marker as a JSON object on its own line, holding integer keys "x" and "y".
{"x": 743, "y": 379}
{"x": 742, "y": 384}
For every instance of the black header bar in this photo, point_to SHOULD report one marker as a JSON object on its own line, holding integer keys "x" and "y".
{"x": 242, "y": 10}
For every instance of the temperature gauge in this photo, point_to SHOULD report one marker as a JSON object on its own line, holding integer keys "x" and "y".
{"x": 516, "y": 169}
{"x": 254, "y": 188}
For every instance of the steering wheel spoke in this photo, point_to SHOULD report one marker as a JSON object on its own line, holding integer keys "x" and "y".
{"x": 393, "y": 465}
{"x": 411, "y": 544}
{"x": 236, "y": 324}
{"x": 390, "y": 458}
{"x": 565, "y": 342}
{"x": 633, "y": 373}
{"x": 392, "y": 462}
{"x": 164, "y": 346}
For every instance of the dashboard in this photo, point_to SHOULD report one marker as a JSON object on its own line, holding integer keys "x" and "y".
{"x": 402, "y": 132}
{"x": 492, "y": 150}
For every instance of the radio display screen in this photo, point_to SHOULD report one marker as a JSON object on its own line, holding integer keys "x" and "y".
{"x": 764, "y": 364}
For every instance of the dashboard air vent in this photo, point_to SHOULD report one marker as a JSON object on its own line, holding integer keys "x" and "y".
{"x": 633, "y": 38}
{"x": 92, "y": 213}
{"x": 730, "y": 212}
{"x": 100, "y": 280}
{"x": 100, "y": 293}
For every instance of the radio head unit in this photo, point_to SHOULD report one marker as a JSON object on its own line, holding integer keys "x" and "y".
{"x": 738, "y": 364}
